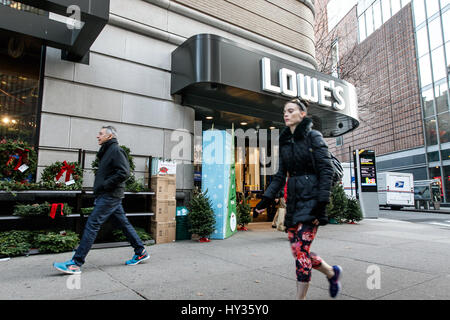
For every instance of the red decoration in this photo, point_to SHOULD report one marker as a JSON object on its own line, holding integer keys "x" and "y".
{"x": 54, "y": 208}
{"x": 204, "y": 240}
{"x": 68, "y": 169}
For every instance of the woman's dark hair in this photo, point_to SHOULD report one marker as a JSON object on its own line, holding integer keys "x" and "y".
{"x": 303, "y": 105}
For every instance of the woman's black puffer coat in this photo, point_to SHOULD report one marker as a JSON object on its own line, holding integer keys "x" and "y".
{"x": 308, "y": 187}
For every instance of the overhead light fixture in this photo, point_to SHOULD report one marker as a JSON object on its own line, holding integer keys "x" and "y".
{"x": 209, "y": 118}
{"x": 272, "y": 128}
{"x": 5, "y": 120}
{"x": 244, "y": 123}
{"x": 14, "y": 121}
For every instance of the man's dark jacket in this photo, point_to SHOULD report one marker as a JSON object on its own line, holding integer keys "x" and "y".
{"x": 309, "y": 188}
{"x": 113, "y": 170}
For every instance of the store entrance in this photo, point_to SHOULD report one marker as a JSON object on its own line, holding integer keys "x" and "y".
{"x": 254, "y": 169}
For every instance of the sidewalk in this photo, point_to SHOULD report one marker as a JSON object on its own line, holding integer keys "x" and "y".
{"x": 254, "y": 265}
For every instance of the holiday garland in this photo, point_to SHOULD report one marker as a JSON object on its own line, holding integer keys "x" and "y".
{"x": 18, "y": 161}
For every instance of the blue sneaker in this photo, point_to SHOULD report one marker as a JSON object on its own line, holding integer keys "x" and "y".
{"x": 69, "y": 267}
{"x": 138, "y": 258}
{"x": 335, "y": 285}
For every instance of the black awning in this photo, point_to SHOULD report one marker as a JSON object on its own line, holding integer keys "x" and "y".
{"x": 45, "y": 20}
{"x": 209, "y": 71}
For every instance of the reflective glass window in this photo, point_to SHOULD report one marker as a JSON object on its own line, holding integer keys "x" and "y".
{"x": 369, "y": 21}
{"x": 396, "y": 6}
{"x": 446, "y": 24}
{"x": 432, "y": 7}
{"x": 435, "y": 33}
{"x": 422, "y": 41}
{"x": 439, "y": 67}
{"x": 377, "y": 14}
{"x": 433, "y": 156}
{"x": 362, "y": 28}
{"x": 425, "y": 70}
{"x": 444, "y": 127}
{"x": 419, "y": 11}
{"x": 431, "y": 131}
{"x": 386, "y": 8}
{"x": 428, "y": 102}
{"x": 405, "y": 2}
{"x": 441, "y": 93}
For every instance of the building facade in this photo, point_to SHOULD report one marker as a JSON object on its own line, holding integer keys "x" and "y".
{"x": 401, "y": 78}
{"x": 56, "y": 96}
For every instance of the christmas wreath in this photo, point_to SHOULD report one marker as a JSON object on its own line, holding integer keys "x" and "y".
{"x": 18, "y": 161}
{"x": 63, "y": 176}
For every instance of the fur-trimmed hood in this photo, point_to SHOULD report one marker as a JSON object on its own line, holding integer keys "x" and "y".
{"x": 300, "y": 132}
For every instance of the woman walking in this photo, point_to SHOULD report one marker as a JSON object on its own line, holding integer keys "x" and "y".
{"x": 308, "y": 193}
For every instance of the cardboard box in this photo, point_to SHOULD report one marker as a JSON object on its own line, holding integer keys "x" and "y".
{"x": 165, "y": 187}
{"x": 164, "y": 209}
{"x": 163, "y": 232}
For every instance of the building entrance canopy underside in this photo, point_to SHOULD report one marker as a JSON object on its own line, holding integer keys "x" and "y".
{"x": 221, "y": 78}
{"x": 70, "y": 25}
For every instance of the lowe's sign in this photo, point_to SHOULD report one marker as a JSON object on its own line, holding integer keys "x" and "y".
{"x": 305, "y": 87}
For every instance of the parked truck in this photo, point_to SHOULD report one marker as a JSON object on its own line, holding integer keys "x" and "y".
{"x": 395, "y": 190}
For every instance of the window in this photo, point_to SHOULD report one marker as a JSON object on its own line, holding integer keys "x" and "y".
{"x": 386, "y": 8}
{"x": 362, "y": 28}
{"x": 430, "y": 131}
{"x": 19, "y": 87}
{"x": 422, "y": 41}
{"x": 446, "y": 25}
{"x": 369, "y": 21}
{"x": 432, "y": 7}
{"x": 377, "y": 14}
{"x": 425, "y": 70}
{"x": 428, "y": 103}
{"x": 335, "y": 59}
{"x": 441, "y": 97}
{"x": 444, "y": 127}
{"x": 340, "y": 141}
{"x": 419, "y": 11}
{"x": 435, "y": 33}
{"x": 396, "y": 6}
{"x": 433, "y": 156}
{"x": 439, "y": 67}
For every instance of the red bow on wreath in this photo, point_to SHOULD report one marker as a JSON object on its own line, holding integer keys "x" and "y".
{"x": 68, "y": 169}
{"x": 54, "y": 208}
{"x": 20, "y": 154}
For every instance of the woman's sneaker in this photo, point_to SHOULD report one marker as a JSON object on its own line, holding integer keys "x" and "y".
{"x": 68, "y": 267}
{"x": 335, "y": 284}
{"x": 138, "y": 258}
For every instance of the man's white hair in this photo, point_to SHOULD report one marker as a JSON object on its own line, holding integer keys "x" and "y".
{"x": 111, "y": 130}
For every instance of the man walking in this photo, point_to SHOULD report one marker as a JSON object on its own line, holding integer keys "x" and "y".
{"x": 113, "y": 171}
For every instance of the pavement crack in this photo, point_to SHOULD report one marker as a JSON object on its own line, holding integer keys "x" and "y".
{"x": 120, "y": 282}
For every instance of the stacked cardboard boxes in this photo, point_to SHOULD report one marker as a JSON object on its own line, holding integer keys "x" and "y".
{"x": 163, "y": 224}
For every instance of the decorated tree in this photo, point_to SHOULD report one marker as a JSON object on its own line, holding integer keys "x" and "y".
{"x": 201, "y": 216}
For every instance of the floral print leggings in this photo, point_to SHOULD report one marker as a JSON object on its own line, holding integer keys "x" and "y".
{"x": 301, "y": 238}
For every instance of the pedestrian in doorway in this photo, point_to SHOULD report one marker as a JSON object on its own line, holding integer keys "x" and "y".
{"x": 109, "y": 185}
{"x": 308, "y": 193}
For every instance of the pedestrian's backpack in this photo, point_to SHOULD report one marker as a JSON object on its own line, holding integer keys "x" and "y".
{"x": 338, "y": 170}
